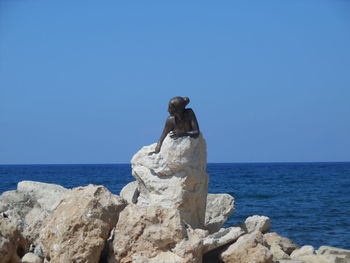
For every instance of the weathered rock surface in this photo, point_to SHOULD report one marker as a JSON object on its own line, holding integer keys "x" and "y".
{"x": 218, "y": 210}
{"x": 247, "y": 249}
{"x": 175, "y": 177}
{"x": 154, "y": 234}
{"x": 322, "y": 259}
{"x": 30, "y": 205}
{"x": 303, "y": 251}
{"x": 280, "y": 247}
{"x": 12, "y": 243}
{"x": 221, "y": 238}
{"x": 327, "y": 250}
{"x": 31, "y": 258}
{"x": 130, "y": 192}
{"x": 257, "y": 223}
{"x": 80, "y": 225}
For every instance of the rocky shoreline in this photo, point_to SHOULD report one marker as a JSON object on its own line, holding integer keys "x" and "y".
{"x": 165, "y": 216}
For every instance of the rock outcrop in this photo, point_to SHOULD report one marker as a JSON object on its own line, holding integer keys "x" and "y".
{"x": 31, "y": 205}
{"x": 155, "y": 234}
{"x": 12, "y": 244}
{"x": 176, "y": 177}
{"x": 218, "y": 210}
{"x": 81, "y": 224}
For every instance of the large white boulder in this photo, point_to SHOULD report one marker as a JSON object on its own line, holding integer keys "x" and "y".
{"x": 176, "y": 177}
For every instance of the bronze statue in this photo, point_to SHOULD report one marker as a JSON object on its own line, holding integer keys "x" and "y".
{"x": 181, "y": 122}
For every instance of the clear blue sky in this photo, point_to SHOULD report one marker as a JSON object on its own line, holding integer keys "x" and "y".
{"x": 89, "y": 81}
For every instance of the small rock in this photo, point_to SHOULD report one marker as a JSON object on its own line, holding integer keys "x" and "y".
{"x": 285, "y": 244}
{"x": 130, "y": 192}
{"x": 221, "y": 238}
{"x": 303, "y": 251}
{"x": 257, "y": 223}
{"x": 31, "y": 258}
{"x": 278, "y": 253}
{"x": 247, "y": 249}
{"x": 219, "y": 208}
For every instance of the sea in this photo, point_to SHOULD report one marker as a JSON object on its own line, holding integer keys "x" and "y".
{"x": 306, "y": 202}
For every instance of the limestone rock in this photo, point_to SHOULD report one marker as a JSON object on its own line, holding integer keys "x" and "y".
{"x": 30, "y": 205}
{"x": 218, "y": 210}
{"x": 303, "y": 251}
{"x": 221, "y": 238}
{"x": 175, "y": 177}
{"x": 154, "y": 234}
{"x": 81, "y": 224}
{"x": 130, "y": 192}
{"x": 257, "y": 223}
{"x": 12, "y": 243}
{"x": 247, "y": 249}
{"x": 285, "y": 244}
{"x": 31, "y": 258}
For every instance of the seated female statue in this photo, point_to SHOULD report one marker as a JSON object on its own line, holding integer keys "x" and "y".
{"x": 181, "y": 122}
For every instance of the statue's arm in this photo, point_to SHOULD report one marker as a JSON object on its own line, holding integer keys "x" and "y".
{"x": 195, "y": 127}
{"x": 169, "y": 126}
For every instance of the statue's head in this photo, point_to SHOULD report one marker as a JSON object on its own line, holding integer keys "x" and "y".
{"x": 177, "y": 105}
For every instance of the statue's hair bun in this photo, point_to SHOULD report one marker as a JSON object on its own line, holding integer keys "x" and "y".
{"x": 186, "y": 99}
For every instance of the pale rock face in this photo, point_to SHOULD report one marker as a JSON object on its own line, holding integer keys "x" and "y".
{"x": 12, "y": 243}
{"x": 80, "y": 225}
{"x": 218, "y": 210}
{"x": 257, "y": 223}
{"x": 303, "y": 251}
{"x": 176, "y": 177}
{"x": 222, "y": 237}
{"x": 48, "y": 196}
{"x": 286, "y": 245}
{"x": 31, "y": 258}
{"x": 154, "y": 234}
{"x": 31, "y": 205}
{"x": 247, "y": 249}
{"x": 130, "y": 192}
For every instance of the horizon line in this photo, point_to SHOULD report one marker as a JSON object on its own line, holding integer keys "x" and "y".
{"x": 278, "y": 162}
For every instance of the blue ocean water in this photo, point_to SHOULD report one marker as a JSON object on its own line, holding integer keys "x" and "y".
{"x": 306, "y": 202}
